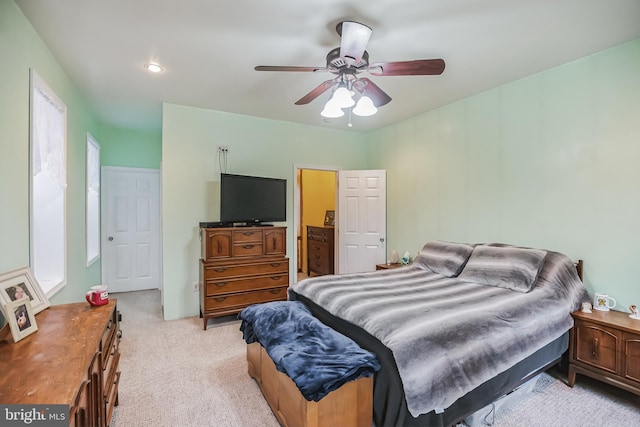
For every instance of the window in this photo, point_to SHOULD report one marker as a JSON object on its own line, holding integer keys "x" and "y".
{"x": 48, "y": 186}
{"x": 93, "y": 200}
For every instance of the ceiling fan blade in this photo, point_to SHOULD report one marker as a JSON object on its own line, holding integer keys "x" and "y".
{"x": 377, "y": 95}
{"x": 287, "y": 68}
{"x": 353, "y": 40}
{"x": 419, "y": 67}
{"x": 319, "y": 90}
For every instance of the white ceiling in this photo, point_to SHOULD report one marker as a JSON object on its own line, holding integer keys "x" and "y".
{"x": 209, "y": 48}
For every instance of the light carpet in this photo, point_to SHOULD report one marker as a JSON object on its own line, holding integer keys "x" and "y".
{"x": 176, "y": 374}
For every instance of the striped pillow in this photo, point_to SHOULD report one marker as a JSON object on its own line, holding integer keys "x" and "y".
{"x": 444, "y": 258}
{"x": 505, "y": 267}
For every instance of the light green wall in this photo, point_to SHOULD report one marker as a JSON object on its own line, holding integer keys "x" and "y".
{"x": 549, "y": 161}
{"x": 190, "y": 179}
{"x": 130, "y": 147}
{"x": 21, "y": 49}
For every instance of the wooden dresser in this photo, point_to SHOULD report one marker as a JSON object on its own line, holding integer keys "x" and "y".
{"x": 605, "y": 345}
{"x": 320, "y": 250}
{"x": 72, "y": 359}
{"x": 240, "y": 266}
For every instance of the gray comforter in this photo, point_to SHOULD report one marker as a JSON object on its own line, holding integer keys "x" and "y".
{"x": 450, "y": 335}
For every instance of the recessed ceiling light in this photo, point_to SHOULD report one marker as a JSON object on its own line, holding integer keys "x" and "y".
{"x": 154, "y": 68}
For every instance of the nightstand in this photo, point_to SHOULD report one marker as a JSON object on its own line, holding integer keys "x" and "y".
{"x": 388, "y": 266}
{"x": 605, "y": 345}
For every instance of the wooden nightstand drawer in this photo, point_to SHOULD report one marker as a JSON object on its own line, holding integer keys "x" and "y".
{"x": 596, "y": 346}
{"x": 632, "y": 356}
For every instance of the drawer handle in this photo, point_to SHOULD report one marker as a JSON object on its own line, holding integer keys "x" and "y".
{"x": 119, "y": 333}
{"x": 595, "y": 348}
{"x": 219, "y": 269}
{"x": 219, "y": 246}
{"x": 274, "y": 243}
{"x": 275, "y": 277}
{"x": 220, "y": 299}
{"x": 109, "y": 324}
{"x": 317, "y": 256}
{"x": 248, "y": 233}
{"x": 275, "y": 264}
{"x": 275, "y": 291}
{"x": 247, "y": 246}
{"x": 220, "y": 284}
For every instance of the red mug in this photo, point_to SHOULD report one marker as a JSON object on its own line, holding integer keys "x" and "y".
{"x": 98, "y": 295}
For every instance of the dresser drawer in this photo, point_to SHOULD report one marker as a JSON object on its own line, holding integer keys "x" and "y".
{"x": 241, "y": 236}
{"x": 318, "y": 248}
{"x": 112, "y": 398}
{"x": 109, "y": 373}
{"x": 596, "y": 346}
{"x": 215, "y": 244}
{"x": 225, "y": 286}
{"x": 107, "y": 340}
{"x": 239, "y": 270}
{"x": 244, "y": 299}
{"x": 319, "y": 266}
{"x": 318, "y": 234}
{"x": 247, "y": 249}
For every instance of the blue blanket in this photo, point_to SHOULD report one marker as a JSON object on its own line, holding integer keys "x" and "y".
{"x": 317, "y": 358}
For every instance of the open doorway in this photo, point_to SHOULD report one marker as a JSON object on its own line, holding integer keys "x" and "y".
{"x": 315, "y": 194}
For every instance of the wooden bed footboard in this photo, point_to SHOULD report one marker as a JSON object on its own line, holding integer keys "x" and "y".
{"x": 350, "y": 405}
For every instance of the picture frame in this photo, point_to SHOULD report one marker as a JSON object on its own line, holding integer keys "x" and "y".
{"x": 20, "y": 282}
{"x": 330, "y": 218}
{"x": 21, "y": 318}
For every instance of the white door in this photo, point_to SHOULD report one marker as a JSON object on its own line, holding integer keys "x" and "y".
{"x": 362, "y": 217}
{"x": 131, "y": 229}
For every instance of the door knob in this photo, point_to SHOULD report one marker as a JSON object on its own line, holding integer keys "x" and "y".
{"x": 110, "y": 239}
{"x": 382, "y": 240}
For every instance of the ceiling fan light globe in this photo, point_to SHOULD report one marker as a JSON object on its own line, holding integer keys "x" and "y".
{"x": 331, "y": 111}
{"x": 365, "y": 107}
{"x": 342, "y": 98}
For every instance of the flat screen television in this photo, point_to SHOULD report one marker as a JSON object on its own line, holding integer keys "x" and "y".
{"x": 252, "y": 200}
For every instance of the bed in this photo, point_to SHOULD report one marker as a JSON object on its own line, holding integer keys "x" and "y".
{"x": 460, "y": 327}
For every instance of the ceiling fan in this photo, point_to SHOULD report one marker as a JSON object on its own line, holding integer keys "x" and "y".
{"x": 351, "y": 59}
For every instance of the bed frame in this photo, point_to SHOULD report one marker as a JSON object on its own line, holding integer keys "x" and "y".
{"x": 350, "y": 405}
{"x": 389, "y": 405}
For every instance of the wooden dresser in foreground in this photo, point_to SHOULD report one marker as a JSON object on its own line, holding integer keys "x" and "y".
{"x": 605, "y": 345}
{"x": 72, "y": 359}
{"x": 241, "y": 266}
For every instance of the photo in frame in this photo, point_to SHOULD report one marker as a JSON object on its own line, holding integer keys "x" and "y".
{"x": 330, "y": 218}
{"x": 21, "y": 318}
{"x": 22, "y": 283}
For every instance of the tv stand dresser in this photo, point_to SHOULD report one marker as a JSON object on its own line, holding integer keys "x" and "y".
{"x": 241, "y": 266}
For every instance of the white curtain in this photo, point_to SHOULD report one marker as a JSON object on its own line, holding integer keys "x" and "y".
{"x": 48, "y": 139}
{"x": 93, "y": 165}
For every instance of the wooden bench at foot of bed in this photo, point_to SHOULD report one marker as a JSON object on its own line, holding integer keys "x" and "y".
{"x": 350, "y": 405}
